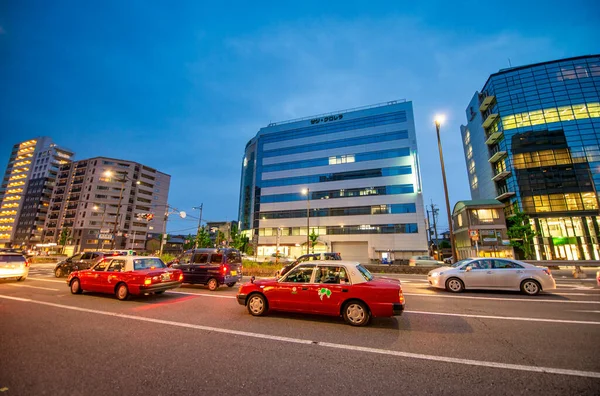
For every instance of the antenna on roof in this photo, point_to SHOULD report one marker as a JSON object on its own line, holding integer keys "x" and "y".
{"x": 509, "y": 64}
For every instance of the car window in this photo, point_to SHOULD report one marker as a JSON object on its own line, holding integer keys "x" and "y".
{"x": 116, "y": 266}
{"x": 234, "y": 258}
{"x": 86, "y": 256}
{"x": 186, "y": 258}
{"x": 364, "y": 272}
{"x": 331, "y": 275}
{"x": 300, "y": 274}
{"x": 200, "y": 258}
{"x": 216, "y": 258}
{"x": 101, "y": 266}
{"x": 148, "y": 263}
{"x": 481, "y": 264}
{"x": 76, "y": 257}
{"x": 503, "y": 264}
{"x": 11, "y": 258}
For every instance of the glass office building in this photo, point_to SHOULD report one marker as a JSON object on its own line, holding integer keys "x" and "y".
{"x": 532, "y": 141}
{"x": 345, "y": 182}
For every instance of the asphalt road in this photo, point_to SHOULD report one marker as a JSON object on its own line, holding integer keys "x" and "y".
{"x": 192, "y": 341}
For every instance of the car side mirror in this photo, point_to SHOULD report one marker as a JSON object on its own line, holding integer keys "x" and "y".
{"x": 468, "y": 269}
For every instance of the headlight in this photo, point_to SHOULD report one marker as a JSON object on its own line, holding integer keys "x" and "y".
{"x": 435, "y": 274}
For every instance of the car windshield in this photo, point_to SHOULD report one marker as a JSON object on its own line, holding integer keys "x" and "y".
{"x": 461, "y": 262}
{"x": 364, "y": 272}
{"x": 148, "y": 263}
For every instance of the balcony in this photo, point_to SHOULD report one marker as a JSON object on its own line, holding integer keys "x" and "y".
{"x": 79, "y": 173}
{"x": 494, "y": 138}
{"x": 505, "y": 195}
{"x": 71, "y": 206}
{"x": 489, "y": 120}
{"x": 499, "y": 154}
{"x": 68, "y": 224}
{"x": 486, "y": 103}
{"x": 76, "y": 190}
{"x": 501, "y": 175}
{"x": 70, "y": 216}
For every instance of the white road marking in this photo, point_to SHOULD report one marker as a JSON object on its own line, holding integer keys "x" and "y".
{"x": 352, "y": 348}
{"x": 64, "y": 282}
{"x": 528, "y": 319}
{"x": 575, "y": 294}
{"x": 581, "y": 310}
{"x": 33, "y": 287}
{"x": 502, "y": 299}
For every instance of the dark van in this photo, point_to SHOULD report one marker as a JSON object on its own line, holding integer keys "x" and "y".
{"x": 211, "y": 267}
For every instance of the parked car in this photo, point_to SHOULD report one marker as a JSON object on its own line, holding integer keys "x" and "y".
{"x": 13, "y": 265}
{"x": 211, "y": 267}
{"x": 125, "y": 276}
{"x": 123, "y": 252}
{"x": 424, "y": 260}
{"x": 80, "y": 261}
{"x": 492, "y": 274}
{"x": 449, "y": 260}
{"x": 308, "y": 257}
{"x": 341, "y": 288}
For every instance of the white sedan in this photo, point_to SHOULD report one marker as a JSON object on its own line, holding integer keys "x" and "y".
{"x": 492, "y": 274}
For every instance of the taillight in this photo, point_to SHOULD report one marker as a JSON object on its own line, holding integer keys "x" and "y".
{"x": 26, "y": 263}
{"x": 180, "y": 277}
{"x": 225, "y": 269}
{"x": 547, "y": 271}
{"x": 147, "y": 281}
{"x": 401, "y": 297}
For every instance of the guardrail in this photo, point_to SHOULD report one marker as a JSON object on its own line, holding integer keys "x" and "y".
{"x": 565, "y": 263}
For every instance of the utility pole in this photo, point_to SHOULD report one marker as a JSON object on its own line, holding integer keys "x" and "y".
{"x": 434, "y": 214}
{"x": 199, "y": 221}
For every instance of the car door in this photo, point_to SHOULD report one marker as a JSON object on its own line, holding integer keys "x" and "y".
{"x": 113, "y": 275}
{"x": 292, "y": 291}
{"x": 95, "y": 277}
{"x": 329, "y": 289}
{"x": 507, "y": 274}
{"x": 198, "y": 268}
{"x": 480, "y": 275}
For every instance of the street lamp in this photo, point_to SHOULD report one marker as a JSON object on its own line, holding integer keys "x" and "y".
{"x": 170, "y": 210}
{"x": 439, "y": 119}
{"x": 109, "y": 173}
{"x": 306, "y": 191}
{"x": 96, "y": 207}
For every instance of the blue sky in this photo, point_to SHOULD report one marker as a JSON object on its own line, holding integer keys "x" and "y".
{"x": 182, "y": 86}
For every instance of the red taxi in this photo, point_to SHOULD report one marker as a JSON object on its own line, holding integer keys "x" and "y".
{"x": 334, "y": 288}
{"x": 126, "y": 275}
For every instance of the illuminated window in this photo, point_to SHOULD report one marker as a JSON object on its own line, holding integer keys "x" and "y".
{"x": 469, "y": 152}
{"x": 566, "y": 113}
{"x": 467, "y": 136}
{"x": 342, "y": 159}
{"x": 474, "y": 182}
{"x": 472, "y": 166}
{"x": 545, "y": 116}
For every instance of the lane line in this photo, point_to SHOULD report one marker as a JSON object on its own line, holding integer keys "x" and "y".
{"x": 33, "y": 287}
{"x": 64, "y": 282}
{"x": 503, "y": 299}
{"x": 528, "y": 319}
{"x": 352, "y": 348}
{"x": 581, "y": 310}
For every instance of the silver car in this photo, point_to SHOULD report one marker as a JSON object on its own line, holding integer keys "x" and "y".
{"x": 492, "y": 274}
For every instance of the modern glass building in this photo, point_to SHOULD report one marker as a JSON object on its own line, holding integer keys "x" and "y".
{"x": 532, "y": 141}
{"x": 351, "y": 177}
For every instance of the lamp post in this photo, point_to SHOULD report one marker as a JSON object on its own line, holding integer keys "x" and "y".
{"x": 306, "y": 191}
{"x": 169, "y": 211}
{"x": 96, "y": 207}
{"x": 199, "y": 222}
{"x": 438, "y": 121}
{"x": 109, "y": 173}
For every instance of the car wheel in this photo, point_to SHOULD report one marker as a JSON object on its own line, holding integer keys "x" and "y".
{"x": 122, "y": 292}
{"x": 212, "y": 284}
{"x": 257, "y": 304}
{"x": 530, "y": 287}
{"x": 356, "y": 313}
{"x": 455, "y": 285}
{"x": 58, "y": 273}
{"x": 76, "y": 286}
{"x": 159, "y": 292}
{"x": 21, "y": 278}
{"x": 231, "y": 284}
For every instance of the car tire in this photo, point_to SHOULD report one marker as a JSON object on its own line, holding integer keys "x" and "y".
{"x": 212, "y": 284}
{"x": 122, "y": 292}
{"x": 21, "y": 278}
{"x": 530, "y": 287}
{"x": 455, "y": 285}
{"x": 257, "y": 304}
{"x": 58, "y": 273}
{"x": 231, "y": 284}
{"x": 75, "y": 286}
{"x": 356, "y": 313}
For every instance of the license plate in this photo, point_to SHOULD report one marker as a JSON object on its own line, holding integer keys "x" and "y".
{"x": 233, "y": 273}
{"x": 165, "y": 277}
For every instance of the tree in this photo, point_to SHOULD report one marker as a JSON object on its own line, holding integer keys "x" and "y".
{"x": 313, "y": 239}
{"x": 445, "y": 245}
{"x": 203, "y": 238}
{"x": 521, "y": 234}
{"x": 63, "y": 238}
{"x": 238, "y": 240}
{"x": 189, "y": 242}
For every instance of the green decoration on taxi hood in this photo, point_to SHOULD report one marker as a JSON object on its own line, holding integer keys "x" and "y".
{"x": 324, "y": 292}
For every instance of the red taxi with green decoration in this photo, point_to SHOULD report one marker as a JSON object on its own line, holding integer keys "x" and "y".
{"x": 334, "y": 288}
{"x": 126, "y": 275}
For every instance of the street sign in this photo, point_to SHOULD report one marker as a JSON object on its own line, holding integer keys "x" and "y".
{"x": 105, "y": 236}
{"x": 105, "y": 231}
